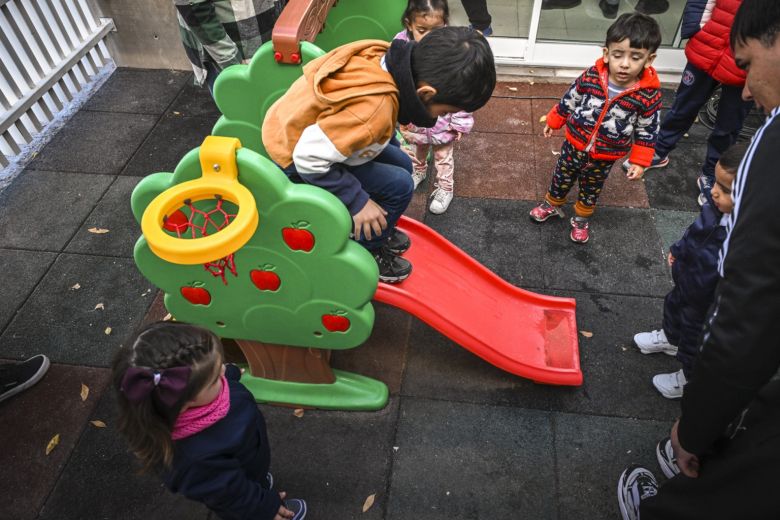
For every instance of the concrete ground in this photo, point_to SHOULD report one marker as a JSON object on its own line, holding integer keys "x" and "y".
{"x": 459, "y": 439}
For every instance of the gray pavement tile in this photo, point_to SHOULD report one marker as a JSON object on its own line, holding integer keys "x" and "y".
{"x": 672, "y": 224}
{"x": 173, "y": 137}
{"x": 488, "y": 230}
{"x": 592, "y": 452}
{"x": 42, "y": 210}
{"x": 114, "y": 214}
{"x": 62, "y": 322}
{"x": 624, "y": 254}
{"x": 194, "y": 101}
{"x": 101, "y": 480}
{"x": 674, "y": 187}
{"x": 462, "y": 461}
{"x": 95, "y": 142}
{"x": 612, "y": 368}
{"x": 23, "y": 271}
{"x": 333, "y": 460}
{"x": 30, "y": 420}
{"x": 139, "y": 91}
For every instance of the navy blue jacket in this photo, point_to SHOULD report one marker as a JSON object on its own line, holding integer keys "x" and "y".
{"x": 224, "y": 465}
{"x": 692, "y": 18}
{"x": 695, "y": 276}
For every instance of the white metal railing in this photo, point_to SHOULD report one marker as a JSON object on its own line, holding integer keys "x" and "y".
{"x": 49, "y": 51}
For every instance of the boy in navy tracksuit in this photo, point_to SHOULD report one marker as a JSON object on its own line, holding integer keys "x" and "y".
{"x": 694, "y": 263}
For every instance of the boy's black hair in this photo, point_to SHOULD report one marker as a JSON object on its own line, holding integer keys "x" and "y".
{"x": 758, "y": 20}
{"x": 458, "y": 63}
{"x": 641, "y": 30}
{"x": 415, "y": 7}
{"x": 732, "y": 157}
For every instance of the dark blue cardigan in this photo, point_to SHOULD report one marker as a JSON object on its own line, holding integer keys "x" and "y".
{"x": 695, "y": 276}
{"x": 224, "y": 465}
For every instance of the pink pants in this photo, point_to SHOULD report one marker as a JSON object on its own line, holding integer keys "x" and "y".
{"x": 442, "y": 161}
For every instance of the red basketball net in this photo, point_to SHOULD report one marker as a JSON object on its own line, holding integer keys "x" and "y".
{"x": 200, "y": 223}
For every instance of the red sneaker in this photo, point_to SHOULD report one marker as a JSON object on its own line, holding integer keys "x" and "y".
{"x": 544, "y": 211}
{"x": 579, "y": 230}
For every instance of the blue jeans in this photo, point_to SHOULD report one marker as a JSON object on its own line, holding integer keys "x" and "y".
{"x": 387, "y": 179}
{"x": 695, "y": 89}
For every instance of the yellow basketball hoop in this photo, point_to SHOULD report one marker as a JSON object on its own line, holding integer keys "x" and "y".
{"x": 219, "y": 181}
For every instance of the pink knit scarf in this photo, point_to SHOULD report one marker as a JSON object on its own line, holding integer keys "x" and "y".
{"x": 194, "y": 420}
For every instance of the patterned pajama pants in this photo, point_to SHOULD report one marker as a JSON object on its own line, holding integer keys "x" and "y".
{"x": 442, "y": 161}
{"x": 574, "y": 165}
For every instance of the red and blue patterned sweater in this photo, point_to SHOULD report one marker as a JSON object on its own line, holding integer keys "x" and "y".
{"x": 610, "y": 128}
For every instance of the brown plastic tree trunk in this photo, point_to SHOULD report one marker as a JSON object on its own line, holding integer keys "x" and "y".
{"x": 301, "y": 20}
{"x": 285, "y": 363}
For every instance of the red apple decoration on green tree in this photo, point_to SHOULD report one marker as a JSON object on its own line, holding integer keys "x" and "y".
{"x": 297, "y": 237}
{"x": 336, "y": 321}
{"x": 177, "y": 222}
{"x": 196, "y": 294}
{"x": 265, "y": 278}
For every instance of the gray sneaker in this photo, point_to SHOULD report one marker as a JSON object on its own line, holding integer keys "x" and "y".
{"x": 635, "y": 484}
{"x": 297, "y": 506}
{"x": 657, "y": 162}
{"x": 665, "y": 455}
{"x": 15, "y": 377}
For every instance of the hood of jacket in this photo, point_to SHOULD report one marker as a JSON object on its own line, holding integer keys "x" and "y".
{"x": 350, "y": 72}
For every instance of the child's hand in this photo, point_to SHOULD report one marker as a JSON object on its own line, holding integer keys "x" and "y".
{"x": 283, "y": 513}
{"x": 371, "y": 217}
{"x": 460, "y": 134}
{"x": 635, "y": 172}
{"x": 403, "y": 128}
{"x": 670, "y": 259}
{"x": 548, "y": 132}
{"x": 686, "y": 461}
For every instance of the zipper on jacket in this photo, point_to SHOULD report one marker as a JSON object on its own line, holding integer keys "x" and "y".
{"x": 604, "y": 112}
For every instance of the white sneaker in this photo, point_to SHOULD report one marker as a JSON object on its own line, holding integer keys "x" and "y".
{"x": 417, "y": 178}
{"x": 670, "y": 385}
{"x": 654, "y": 342}
{"x": 441, "y": 201}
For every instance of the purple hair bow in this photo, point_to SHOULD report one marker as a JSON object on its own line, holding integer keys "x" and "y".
{"x": 167, "y": 384}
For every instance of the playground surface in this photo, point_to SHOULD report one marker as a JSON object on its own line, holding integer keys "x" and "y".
{"x": 459, "y": 439}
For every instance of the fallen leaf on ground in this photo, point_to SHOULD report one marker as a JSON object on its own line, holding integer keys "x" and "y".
{"x": 84, "y": 392}
{"x": 586, "y": 333}
{"x": 176, "y": 113}
{"x": 107, "y": 331}
{"x": 513, "y": 89}
{"x": 543, "y": 119}
{"x": 685, "y": 135}
{"x": 97, "y": 230}
{"x": 369, "y": 502}
{"x": 298, "y": 412}
{"x": 530, "y": 82}
{"x": 100, "y": 306}
{"x": 556, "y": 154}
{"x": 167, "y": 317}
{"x": 52, "y": 443}
{"x": 98, "y": 424}
{"x": 75, "y": 287}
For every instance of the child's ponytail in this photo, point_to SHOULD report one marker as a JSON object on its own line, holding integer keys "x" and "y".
{"x": 164, "y": 367}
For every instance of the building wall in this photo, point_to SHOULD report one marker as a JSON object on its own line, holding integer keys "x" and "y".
{"x": 147, "y": 34}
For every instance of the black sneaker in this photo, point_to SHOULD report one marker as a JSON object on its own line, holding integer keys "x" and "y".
{"x": 15, "y": 377}
{"x": 665, "y": 455}
{"x": 392, "y": 268}
{"x": 652, "y": 6}
{"x": 635, "y": 484}
{"x": 297, "y": 506}
{"x": 608, "y": 10}
{"x": 560, "y": 4}
{"x": 398, "y": 242}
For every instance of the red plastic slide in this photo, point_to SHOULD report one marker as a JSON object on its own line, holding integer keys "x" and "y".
{"x": 527, "y": 334}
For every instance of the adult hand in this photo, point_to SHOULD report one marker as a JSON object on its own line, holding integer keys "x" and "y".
{"x": 548, "y": 132}
{"x": 370, "y": 218}
{"x": 670, "y": 259}
{"x": 686, "y": 461}
{"x": 635, "y": 172}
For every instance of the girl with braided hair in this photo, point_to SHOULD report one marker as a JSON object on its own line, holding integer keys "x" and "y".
{"x": 187, "y": 417}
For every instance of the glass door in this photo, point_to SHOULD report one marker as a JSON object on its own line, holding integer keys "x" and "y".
{"x": 570, "y": 33}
